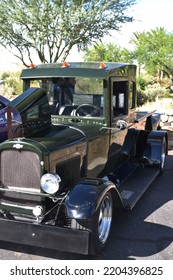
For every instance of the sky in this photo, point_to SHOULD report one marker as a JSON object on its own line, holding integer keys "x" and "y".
{"x": 147, "y": 14}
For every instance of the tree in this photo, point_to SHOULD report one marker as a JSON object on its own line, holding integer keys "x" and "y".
{"x": 139, "y": 53}
{"x": 50, "y": 28}
{"x": 154, "y": 50}
{"x": 107, "y": 52}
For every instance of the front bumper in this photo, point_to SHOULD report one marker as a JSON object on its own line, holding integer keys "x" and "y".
{"x": 44, "y": 236}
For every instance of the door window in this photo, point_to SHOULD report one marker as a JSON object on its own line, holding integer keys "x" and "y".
{"x": 119, "y": 98}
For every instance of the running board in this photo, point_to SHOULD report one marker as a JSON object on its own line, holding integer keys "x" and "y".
{"x": 136, "y": 184}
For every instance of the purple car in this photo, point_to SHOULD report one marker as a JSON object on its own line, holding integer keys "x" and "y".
{"x": 16, "y": 119}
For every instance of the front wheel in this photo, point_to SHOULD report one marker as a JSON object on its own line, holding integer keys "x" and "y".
{"x": 103, "y": 219}
{"x": 99, "y": 224}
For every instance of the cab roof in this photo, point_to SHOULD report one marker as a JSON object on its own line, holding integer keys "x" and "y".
{"x": 77, "y": 69}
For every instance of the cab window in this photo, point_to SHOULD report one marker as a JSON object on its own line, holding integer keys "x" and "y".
{"x": 119, "y": 98}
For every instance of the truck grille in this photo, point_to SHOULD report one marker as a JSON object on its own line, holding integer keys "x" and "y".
{"x": 19, "y": 169}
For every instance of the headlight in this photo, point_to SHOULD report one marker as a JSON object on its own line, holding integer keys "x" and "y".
{"x": 50, "y": 183}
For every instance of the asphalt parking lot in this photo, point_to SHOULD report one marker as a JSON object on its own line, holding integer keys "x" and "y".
{"x": 145, "y": 233}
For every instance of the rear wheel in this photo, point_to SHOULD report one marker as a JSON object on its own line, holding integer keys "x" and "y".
{"x": 163, "y": 155}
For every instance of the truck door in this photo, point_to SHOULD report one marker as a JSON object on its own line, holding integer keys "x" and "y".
{"x": 122, "y": 112}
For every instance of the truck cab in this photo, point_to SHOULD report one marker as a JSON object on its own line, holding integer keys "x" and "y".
{"x": 82, "y": 150}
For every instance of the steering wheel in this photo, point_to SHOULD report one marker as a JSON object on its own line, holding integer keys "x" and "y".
{"x": 88, "y": 110}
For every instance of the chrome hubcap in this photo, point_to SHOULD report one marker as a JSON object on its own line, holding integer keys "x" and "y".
{"x": 105, "y": 218}
{"x": 163, "y": 155}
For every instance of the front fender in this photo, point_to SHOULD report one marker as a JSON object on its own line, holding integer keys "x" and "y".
{"x": 84, "y": 199}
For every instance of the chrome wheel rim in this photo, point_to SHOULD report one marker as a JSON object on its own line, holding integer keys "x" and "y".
{"x": 105, "y": 219}
{"x": 163, "y": 155}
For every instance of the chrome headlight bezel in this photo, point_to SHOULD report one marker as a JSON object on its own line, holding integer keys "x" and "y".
{"x": 50, "y": 183}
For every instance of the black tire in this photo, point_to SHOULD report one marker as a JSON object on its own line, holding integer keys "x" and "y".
{"x": 99, "y": 225}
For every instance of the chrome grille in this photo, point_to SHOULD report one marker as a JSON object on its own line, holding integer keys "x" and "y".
{"x": 19, "y": 169}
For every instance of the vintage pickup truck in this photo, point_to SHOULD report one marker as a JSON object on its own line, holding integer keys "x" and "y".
{"x": 83, "y": 151}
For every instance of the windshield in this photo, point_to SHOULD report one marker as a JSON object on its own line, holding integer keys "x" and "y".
{"x": 73, "y": 96}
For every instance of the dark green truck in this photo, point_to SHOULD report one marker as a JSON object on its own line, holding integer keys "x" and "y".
{"x": 81, "y": 151}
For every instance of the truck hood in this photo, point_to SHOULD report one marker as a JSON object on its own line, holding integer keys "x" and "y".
{"x": 27, "y": 99}
{"x": 59, "y": 137}
{"x": 52, "y": 139}
{"x": 33, "y": 107}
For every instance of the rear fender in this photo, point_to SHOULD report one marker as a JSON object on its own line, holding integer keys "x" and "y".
{"x": 153, "y": 151}
{"x": 84, "y": 199}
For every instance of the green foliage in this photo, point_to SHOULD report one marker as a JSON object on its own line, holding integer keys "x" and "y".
{"x": 89, "y": 86}
{"x": 154, "y": 51}
{"x": 51, "y": 28}
{"x": 12, "y": 85}
{"x": 150, "y": 92}
{"x": 142, "y": 83}
{"x": 107, "y": 52}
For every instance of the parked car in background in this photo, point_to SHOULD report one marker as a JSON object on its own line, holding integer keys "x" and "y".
{"x": 16, "y": 119}
{"x": 83, "y": 151}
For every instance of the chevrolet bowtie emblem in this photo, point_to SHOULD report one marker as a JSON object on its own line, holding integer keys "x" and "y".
{"x": 18, "y": 146}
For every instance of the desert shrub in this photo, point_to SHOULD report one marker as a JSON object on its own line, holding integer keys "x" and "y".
{"x": 11, "y": 84}
{"x": 151, "y": 93}
{"x": 142, "y": 83}
{"x": 155, "y": 91}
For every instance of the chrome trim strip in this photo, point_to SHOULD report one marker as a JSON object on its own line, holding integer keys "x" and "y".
{"x": 25, "y": 192}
